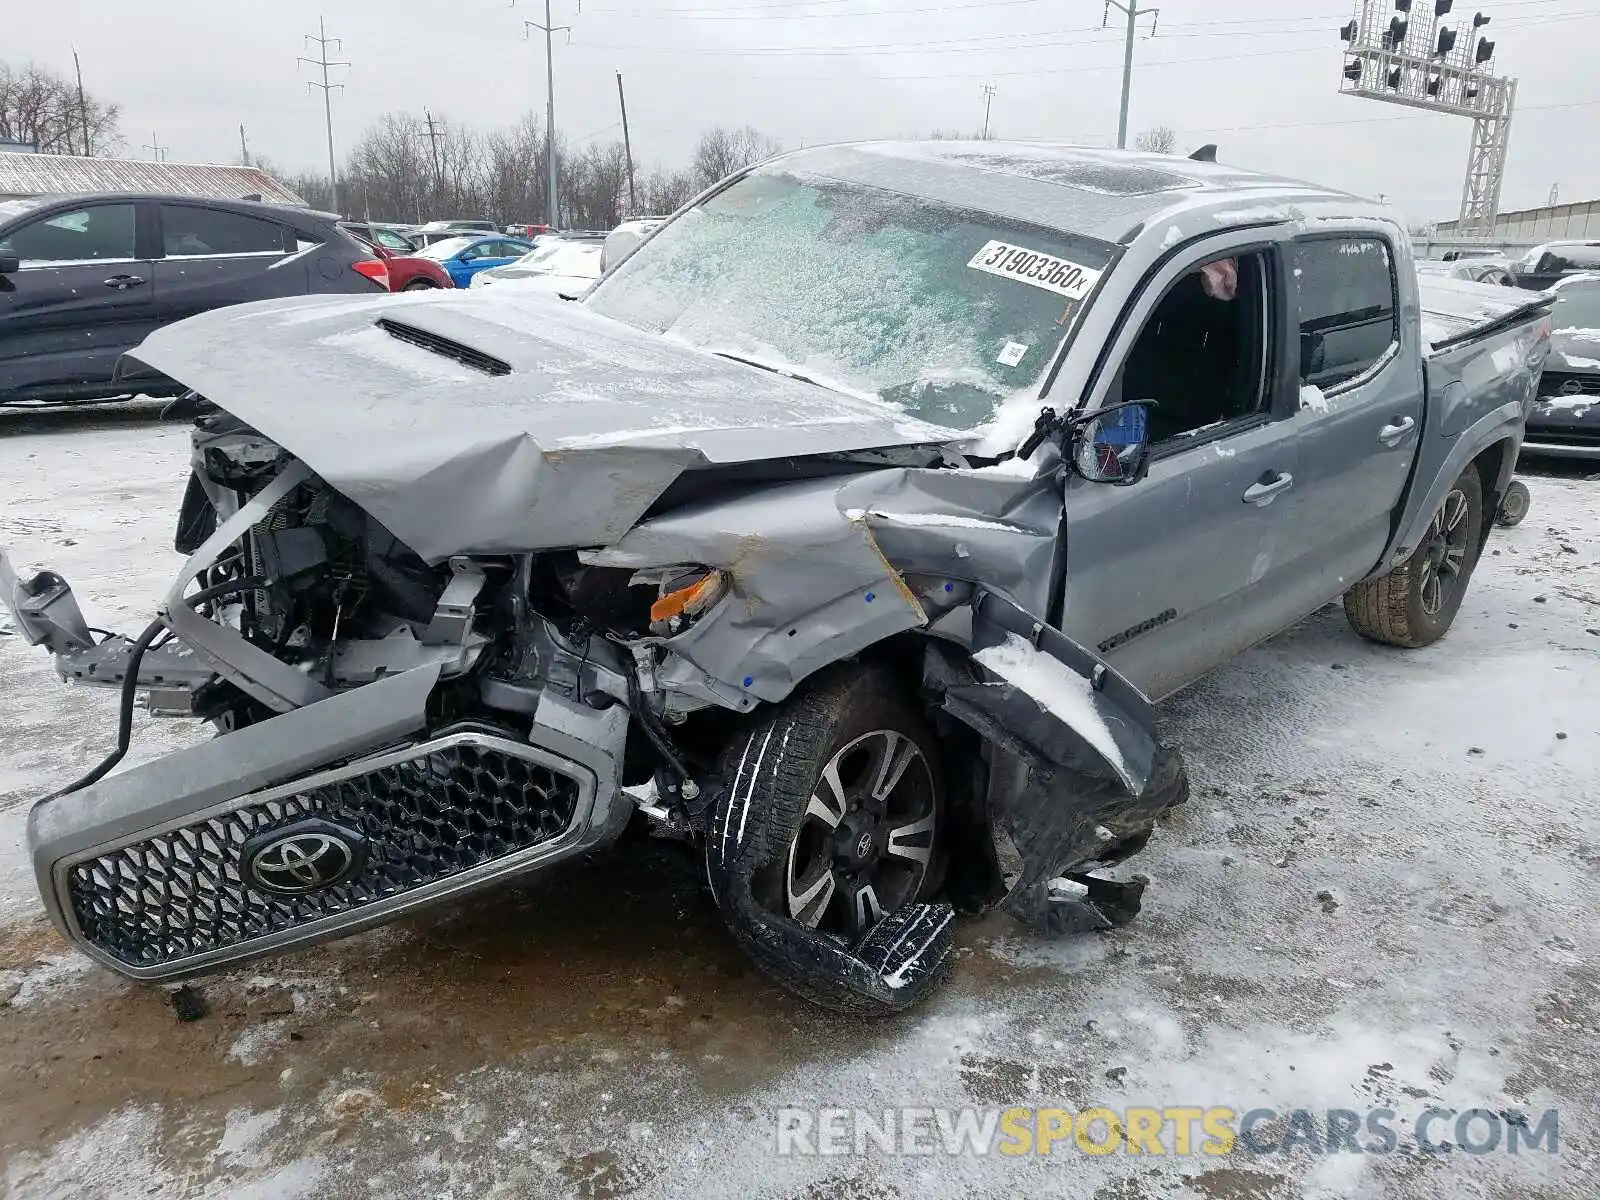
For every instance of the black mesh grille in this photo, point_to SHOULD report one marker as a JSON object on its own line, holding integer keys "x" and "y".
{"x": 180, "y": 894}
{"x": 1562, "y": 383}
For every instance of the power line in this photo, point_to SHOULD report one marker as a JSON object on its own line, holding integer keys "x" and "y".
{"x": 322, "y": 60}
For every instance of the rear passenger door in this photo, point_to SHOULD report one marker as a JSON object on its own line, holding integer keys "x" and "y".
{"x": 212, "y": 257}
{"x": 1359, "y": 416}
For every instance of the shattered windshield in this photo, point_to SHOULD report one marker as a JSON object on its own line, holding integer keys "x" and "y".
{"x": 941, "y": 311}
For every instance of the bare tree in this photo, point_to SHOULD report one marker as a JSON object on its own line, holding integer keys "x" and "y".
{"x": 1159, "y": 140}
{"x": 721, "y": 151}
{"x": 41, "y": 108}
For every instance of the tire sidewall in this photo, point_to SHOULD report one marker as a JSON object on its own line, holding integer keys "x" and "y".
{"x": 811, "y": 729}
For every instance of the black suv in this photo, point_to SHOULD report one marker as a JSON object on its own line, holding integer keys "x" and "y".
{"x": 84, "y": 278}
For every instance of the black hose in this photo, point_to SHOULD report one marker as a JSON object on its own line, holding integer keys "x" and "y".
{"x": 130, "y": 686}
{"x": 658, "y": 737}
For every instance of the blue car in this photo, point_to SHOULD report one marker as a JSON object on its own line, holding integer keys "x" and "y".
{"x": 465, "y": 256}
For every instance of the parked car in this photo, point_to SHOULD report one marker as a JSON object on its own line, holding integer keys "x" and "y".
{"x": 1479, "y": 270}
{"x": 561, "y": 266}
{"x": 1542, "y": 266}
{"x": 1565, "y": 421}
{"x": 463, "y": 257}
{"x": 527, "y": 231}
{"x": 625, "y": 239}
{"x": 85, "y": 278}
{"x": 394, "y": 238}
{"x": 408, "y": 271}
{"x": 840, "y": 533}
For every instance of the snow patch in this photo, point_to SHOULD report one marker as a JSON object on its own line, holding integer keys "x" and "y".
{"x": 374, "y": 345}
{"x": 51, "y": 975}
{"x": 1312, "y": 397}
{"x": 1174, "y": 236}
{"x": 1586, "y": 364}
{"x": 256, "y": 1042}
{"x": 1060, "y": 690}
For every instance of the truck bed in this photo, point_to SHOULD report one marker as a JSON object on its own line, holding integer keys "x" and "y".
{"x": 1456, "y": 312}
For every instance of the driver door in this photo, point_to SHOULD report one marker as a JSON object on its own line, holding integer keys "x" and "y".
{"x": 1172, "y": 575}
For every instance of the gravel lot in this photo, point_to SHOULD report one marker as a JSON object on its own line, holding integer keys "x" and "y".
{"x": 1383, "y": 894}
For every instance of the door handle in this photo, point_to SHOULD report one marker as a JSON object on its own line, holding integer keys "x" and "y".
{"x": 121, "y": 283}
{"x": 1268, "y": 486}
{"x": 1390, "y": 435}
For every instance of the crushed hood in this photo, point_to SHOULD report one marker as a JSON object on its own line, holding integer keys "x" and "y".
{"x": 494, "y": 419}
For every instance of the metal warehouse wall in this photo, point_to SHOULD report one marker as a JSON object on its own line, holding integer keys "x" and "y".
{"x": 1535, "y": 225}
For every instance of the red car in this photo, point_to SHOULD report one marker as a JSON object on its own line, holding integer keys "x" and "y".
{"x": 407, "y": 272}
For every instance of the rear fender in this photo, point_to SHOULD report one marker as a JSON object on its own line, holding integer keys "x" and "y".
{"x": 1078, "y": 771}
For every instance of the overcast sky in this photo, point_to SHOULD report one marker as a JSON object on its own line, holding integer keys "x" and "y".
{"x": 1258, "y": 78}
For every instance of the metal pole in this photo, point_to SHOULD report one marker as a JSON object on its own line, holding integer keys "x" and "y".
{"x": 627, "y": 149}
{"x": 550, "y": 114}
{"x": 327, "y": 112}
{"x": 1127, "y": 77}
{"x": 83, "y": 108}
{"x": 988, "y": 98}
{"x": 244, "y": 148}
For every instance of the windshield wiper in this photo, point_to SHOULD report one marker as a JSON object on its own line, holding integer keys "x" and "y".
{"x": 784, "y": 371}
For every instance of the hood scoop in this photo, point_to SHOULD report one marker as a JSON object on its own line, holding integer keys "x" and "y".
{"x": 463, "y": 354}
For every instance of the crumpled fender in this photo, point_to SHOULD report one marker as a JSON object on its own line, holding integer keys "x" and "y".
{"x": 1079, "y": 771}
{"x": 896, "y": 964}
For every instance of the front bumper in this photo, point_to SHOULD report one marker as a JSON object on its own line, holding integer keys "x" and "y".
{"x": 157, "y": 872}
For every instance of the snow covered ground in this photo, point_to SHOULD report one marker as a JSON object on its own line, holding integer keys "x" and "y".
{"x": 1382, "y": 894}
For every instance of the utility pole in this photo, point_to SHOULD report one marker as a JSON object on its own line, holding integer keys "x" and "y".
{"x": 433, "y": 146}
{"x": 157, "y": 150}
{"x": 1133, "y": 12}
{"x": 627, "y": 149}
{"x": 988, "y": 99}
{"x": 83, "y": 107}
{"x": 244, "y": 148}
{"x": 323, "y": 41}
{"x": 550, "y": 102}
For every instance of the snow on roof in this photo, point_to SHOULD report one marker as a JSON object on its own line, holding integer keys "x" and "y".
{"x": 60, "y": 174}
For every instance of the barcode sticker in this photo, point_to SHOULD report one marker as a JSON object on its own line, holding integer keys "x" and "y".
{"x": 1035, "y": 268}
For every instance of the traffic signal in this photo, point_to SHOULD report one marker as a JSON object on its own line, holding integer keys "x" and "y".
{"x": 1485, "y": 51}
{"x": 1397, "y": 31}
{"x": 1479, "y": 20}
{"x": 1447, "y": 43}
{"x": 1402, "y": 6}
{"x": 1352, "y": 70}
{"x": 1394, "y": 79}
{"x": 1433, "y": 85}
{"x": 1348, "y": 32}
{"x": 1440, "y": 7}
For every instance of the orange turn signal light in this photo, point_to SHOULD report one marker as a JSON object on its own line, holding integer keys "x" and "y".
{"x": 696, "y": 596}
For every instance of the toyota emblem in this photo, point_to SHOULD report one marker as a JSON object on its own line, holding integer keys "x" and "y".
{"x": 302, "y": 857}
{"x": 864, "y": 846}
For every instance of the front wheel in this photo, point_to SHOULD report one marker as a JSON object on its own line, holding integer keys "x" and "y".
{"x": 1415, "y": 604}
{"x": 842, "y": 793}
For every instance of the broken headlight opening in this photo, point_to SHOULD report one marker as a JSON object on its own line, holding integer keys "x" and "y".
{"x": 686, "y": 593}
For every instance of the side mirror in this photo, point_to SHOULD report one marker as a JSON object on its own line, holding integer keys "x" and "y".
{"x": 10, "y": 264}
{"x": 1113, "y": 445}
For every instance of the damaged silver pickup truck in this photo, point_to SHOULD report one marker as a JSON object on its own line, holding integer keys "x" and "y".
{"x": 841, "y": 532}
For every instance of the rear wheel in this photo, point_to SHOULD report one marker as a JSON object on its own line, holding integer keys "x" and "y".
{"x": 420, "y": 285}
{"x": 1415, "y": 604}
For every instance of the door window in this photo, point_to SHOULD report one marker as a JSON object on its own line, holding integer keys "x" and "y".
{"x": 193, "y": 232}
{"x": 1349, "y": 318}
{"x": 1202, "y": 354}
{"x": 100, "y": 232}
